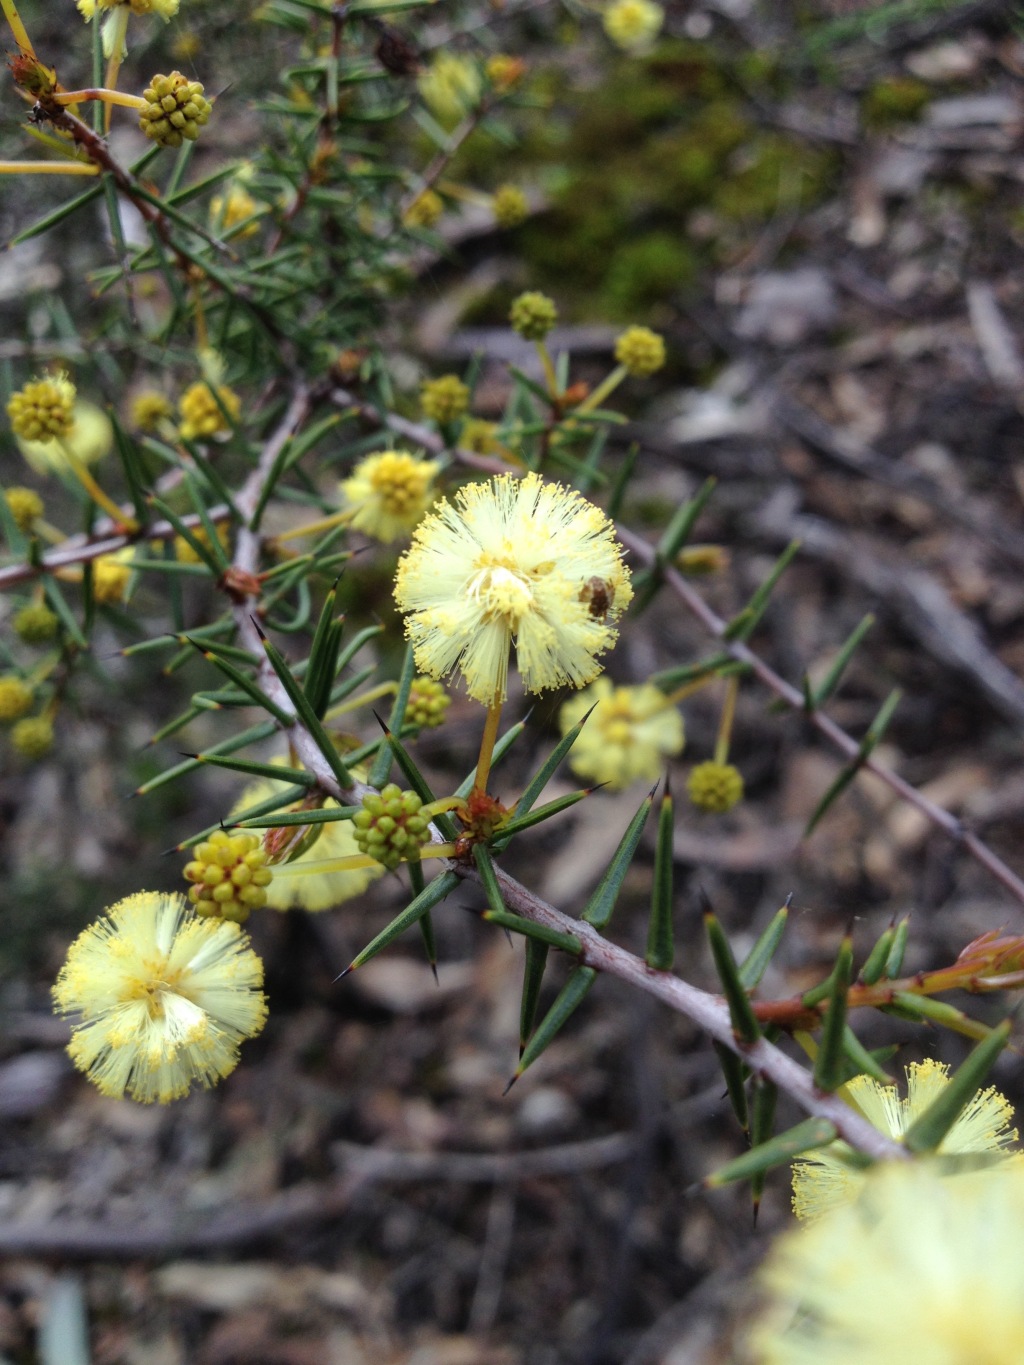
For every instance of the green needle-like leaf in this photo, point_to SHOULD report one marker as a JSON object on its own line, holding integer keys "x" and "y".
{"x": 540, "y": 933}
{"x": 861, "y": 1060}
{"x": 660, "y": 936}
{"x": 297, "y": 817}
{"x": 742, "y": 625}
{"x": 867, "y": 745}
{"x": 598, "y": 910}
{"x": 272, "y": 771}
{"x": 829, "y": 1072}
{"x": 381, "y": 768}
{"x": 831, "y": 680}
{"x": 247, "y": 684}
{"x": 680, "y": 528}
{"x": 874, "y": 968}
{"x": 540, "y": 779}
{"x": 894, "y": 962}
{"x": 735, "y": 1074}
{"x": 568, "y": 1000}
{"x": 432, "y": 894}
{"x": 253, "y": 735}
{"x": 778, "y": 1151}
{"x": 305, "y": 713}
{"x": 323, "y": 656}
{"x": 541, "y": 813}
{"x": 762, "y": 1124}
{"x": 489, "y": 878}
{"x": 741, "y": 1012}
{"x": 533, "y": 976}
{"x": 755, "y": 964}
{"x": 926, "y": 1132}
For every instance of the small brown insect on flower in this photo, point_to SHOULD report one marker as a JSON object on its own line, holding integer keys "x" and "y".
{"x": 599, "y": 594}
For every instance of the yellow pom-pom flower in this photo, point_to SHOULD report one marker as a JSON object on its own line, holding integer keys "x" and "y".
{"x": 165, "y": 998}
{"x": 919, "y": 1270}
{"x": 229, "y": 876}
{"x": 633, "y": 25}
{"x": 43, "y": 409}
{"x": 389, "y": 493}
{"x": 202, "y": 416}
{"x": 533, "y": 315}
{"x": 425, "y": 210}
{"x": 450, "y": 87}
{"x": 510, "y": 206}
{"x": 16, "y": 698}
{"x": 175, "y": 110}
{"x": 715, "y": 787}
{"x": 33, "y": 737}
{"x": 444, "y": 399}
{"x": 640, "y": 351}
{"x": 479, "y": 436}
{"x": 36, "y": 624}
{"x": 630, "y": 735}
{"x": 166, "y": 9}
{"x": 824, "y": 1179}
{"x": 513, "y": 560}
{"x": 25, "y": 506}
{"x": 315, "y": 890}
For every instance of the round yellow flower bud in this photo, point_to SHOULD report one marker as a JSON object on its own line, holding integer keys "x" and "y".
{"x": 533, "y": 315}
{"x": 425, "y": 210}
{"x": 229, "y": 876}
{"x": 640, "y": 351}
{"x": 510, "y": 206}
{"x": 149, "y": 409}
{"x": 110, "y": 576}
{"x": 715, "y": 787}
{"x": 175, "y": 110}
{"x": 15, "y": 698}
{"x": 43, "y": 409}
{"x": 36, "y": 623}
{"x": 450, "y": 87}
{"x": 25, "y": 506}
{"x": 444, "y": 399}
{"x": 33, "y": 737}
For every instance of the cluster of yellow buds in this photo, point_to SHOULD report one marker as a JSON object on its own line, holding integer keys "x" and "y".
{"x": 175, "y": 110}
{"x": 444, "y": 399}
{"x": 425, "y": 210}
{"x": 43, "y": 409}
{"x": 428, "y": 702}
{"x": 533, "y": 315}
{"x": 390, "y": 826}
{"x": 229, "y": 876}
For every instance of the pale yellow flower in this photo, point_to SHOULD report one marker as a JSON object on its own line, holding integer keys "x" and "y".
{"x": 110, "y": 576}
{"x": 513, "y": 561}
{"x": 166, "y": 9}
{"x": 389, "y": 493}
{"x": 317, "y": 890}
{"x": 450, "y": 87}
{"x": 202, "y": 416}
{"x": 165, "y": 998}
{"x": 823, "y": 1180}
{"x": 919, "y": 1270}
{"x": 237, "y": 206}
{"x": 633, "y": 25}
{"x": 630, "y": 735}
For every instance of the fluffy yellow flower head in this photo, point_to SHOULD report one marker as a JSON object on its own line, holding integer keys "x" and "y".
{"x": 917, "y": 1271}
{"x": 450, "y": 87}
{"x": 166, "y": 9}
{"x": 633, "y": 25}
{"x": 165, "y": 998}
{"x": 25, "y": 506}
{"x": 42, "y": 409}
{"x": 513, "y": 560}
{"x": 823, "y": 1180}
{"x": 629, "y": 736}
{"x": 149, "y": 409}
{"x": 318, "y": 890}
{"x": 110, "y": 576}
{"x": 389, "y": 493}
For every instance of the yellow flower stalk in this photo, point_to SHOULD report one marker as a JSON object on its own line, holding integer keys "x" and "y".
{"x": 315, "y": 890}
{"x": 164, "y": 998}
{"x": 917, "y": 1271}
{"x": 513, "y": 561}
{"x": 823, "y": 1180}
{"x": 630, "y": 735}
{"x": 387, "y": 494}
